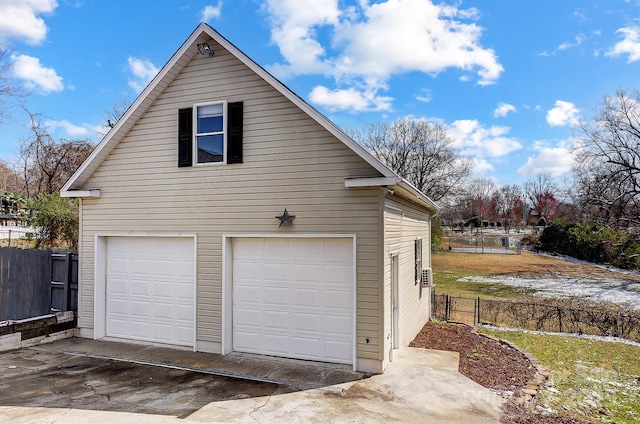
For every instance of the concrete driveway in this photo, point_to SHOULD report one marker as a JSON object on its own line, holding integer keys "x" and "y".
{"x": 80, "y": 381}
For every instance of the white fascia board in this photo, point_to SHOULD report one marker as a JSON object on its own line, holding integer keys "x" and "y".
{"x": 95, "y": 193}
{"x": 371, "y": 182}
{"x": 417, "y": 195}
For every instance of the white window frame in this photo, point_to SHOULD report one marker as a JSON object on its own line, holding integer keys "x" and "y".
{"x": 196, "y": 134}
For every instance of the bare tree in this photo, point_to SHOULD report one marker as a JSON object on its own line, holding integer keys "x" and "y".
{"x": 541, "y": 192}
{"x": 114, "y": 114}
{"x": 10, "y": 180}
{"x": 510, "y": 206}
{"x": 7, "y": 88}
{"x": 418, "y": 151}
{"x": 477, "y": 201}
{"x": 47, "y": 164}
{"x": 607, "y": 174}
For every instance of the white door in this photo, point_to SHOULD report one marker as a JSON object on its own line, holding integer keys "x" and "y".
{"x": 293, "y": 297}
{"x": 150, "y": 289}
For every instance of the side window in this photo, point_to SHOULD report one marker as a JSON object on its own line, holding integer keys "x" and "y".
{"x": 210, "y": 133}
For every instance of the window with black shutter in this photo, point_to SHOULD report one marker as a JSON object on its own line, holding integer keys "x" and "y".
{"x": 210, "y": 133}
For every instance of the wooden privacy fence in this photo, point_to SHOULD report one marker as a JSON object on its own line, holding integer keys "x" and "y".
{"x": 536, "y": 316}
{"x": 37, "y": 282}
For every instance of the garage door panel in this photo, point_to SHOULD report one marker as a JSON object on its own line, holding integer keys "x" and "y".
{"x": 139, "y": 309}
{"x": 335, "y": 349}
{"x": 118, "y": 327}
{"x": 309, "y": 347}
{"x": 337, "y": 324}
{"x": 307, "y": 298}
{"x": 274, "y": 320}
{"x": 295, "y": 299}
{"x": 275, "y": 296}
{"x": 274, "y": 344}
{"x": 307, "y": 322}
{"x": 338, "y": 299}
{"x": 247, "y": 317}
{"x": 150, "y": 289}
{"x": 139, "y": 287}
{"x": 245, "y": 341}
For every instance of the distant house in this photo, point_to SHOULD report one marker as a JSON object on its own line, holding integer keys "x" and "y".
{"x": 253, "y": 224}
{"x": 7, "y": 219}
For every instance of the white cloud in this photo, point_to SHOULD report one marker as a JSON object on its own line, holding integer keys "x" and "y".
{"x": 474, "y": 140}
{"x": 209, "y": 12}
{"x": 563, "y": 114}
{"x": 19, "y": 19}
{"x": 556, "y": 160}
{"x": 480, "y": 166}
{"x": 349, "y": 99}
{"x": 630, "y": 45}
{"x": 424, "y": 95}
{"x": 143, "y": 72}
{"x": 35, "y": 75}
{"x": 366, "y": 44}
{"x": 293, "y": 23}
{"x": 503, "y": 110}
{"x": 69, "y": 128}
{"x": 567, "y": 45}
{"x": 399, "y": 36}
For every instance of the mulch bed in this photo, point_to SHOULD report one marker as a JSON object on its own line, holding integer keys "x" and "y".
{"x": 492, "y": 364}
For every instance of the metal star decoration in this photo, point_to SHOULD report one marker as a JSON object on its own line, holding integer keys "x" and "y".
{"x": 285, "y": 219}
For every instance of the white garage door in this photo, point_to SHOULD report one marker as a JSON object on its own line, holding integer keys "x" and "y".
{"x": 150, "y": 289}
{"x": 293, "y": 297}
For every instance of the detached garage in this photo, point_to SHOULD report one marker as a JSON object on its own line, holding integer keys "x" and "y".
{"x": 252, "y": 223}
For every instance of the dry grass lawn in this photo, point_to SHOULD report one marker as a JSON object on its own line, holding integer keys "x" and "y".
{"x": 525, "y": 265}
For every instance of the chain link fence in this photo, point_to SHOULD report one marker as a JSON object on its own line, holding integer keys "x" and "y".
{"x": 484, "y": 243}
{"x": 536, "y": 316}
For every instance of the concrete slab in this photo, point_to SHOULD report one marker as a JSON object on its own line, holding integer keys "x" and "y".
{"x": 419, "y": 386}
{"x": 80, "y": 380}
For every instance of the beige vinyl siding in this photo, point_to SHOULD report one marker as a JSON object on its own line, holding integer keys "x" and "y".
{"x": 290, "y": 162}
{"x": 404, "y": 223}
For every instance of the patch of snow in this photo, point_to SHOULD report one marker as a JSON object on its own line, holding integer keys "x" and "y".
{"x": 616, "y": 291}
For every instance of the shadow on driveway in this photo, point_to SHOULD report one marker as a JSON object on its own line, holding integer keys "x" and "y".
{"x": 37, "y": 378}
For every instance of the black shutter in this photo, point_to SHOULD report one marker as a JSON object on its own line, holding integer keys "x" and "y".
{"x": 234, "y": 133}
{"x": 185, "y": 137}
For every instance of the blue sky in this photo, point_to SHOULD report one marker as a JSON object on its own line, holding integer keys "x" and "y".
{"x": 508, "y": 79}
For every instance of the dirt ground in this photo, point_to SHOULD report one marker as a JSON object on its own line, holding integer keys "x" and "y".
{"x": 492, "y": 364}
{"x": 525, "y": 265}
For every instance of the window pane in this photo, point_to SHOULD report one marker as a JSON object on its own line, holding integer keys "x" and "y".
{"x": 210, "y": 148}
{"x": 210, "y": 118}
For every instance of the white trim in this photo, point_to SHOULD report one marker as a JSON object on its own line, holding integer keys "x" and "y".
{"x": 227, "y": 283}
{"x": 194, "y": 139}
{"x": 81, "y": 193}
{"x": 371, "y": 182}
{"x": 100, "y": 278}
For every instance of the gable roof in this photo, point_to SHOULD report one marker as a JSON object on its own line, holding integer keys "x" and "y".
{"x": 169, "y": 71}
